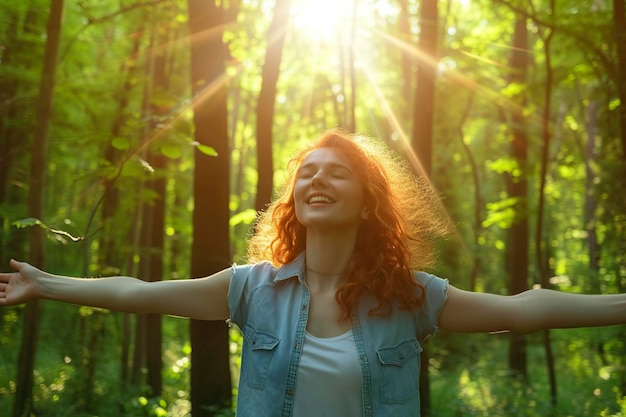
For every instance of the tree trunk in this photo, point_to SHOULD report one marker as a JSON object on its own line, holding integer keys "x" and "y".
{"x": 109, "y": 250}
{"x": 424, "y": 110}
{"x": 478, "y": 200}
{"x": 23, "y": 395}
{"x": 155, "y": 223}
{"x": 422, "y": 140}
{"x": 210, "y": 370}
{"x": 156, "y": 227}
{"x": 590, "y": 197}
{"x": 540, "y": 235}
{"x": 517, "y": 248}
{"x": 266, "y": 101}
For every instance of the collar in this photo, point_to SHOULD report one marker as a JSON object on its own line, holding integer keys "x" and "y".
{"x": 294, "y": 268}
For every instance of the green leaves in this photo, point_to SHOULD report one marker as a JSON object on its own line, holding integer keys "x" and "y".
{"x": 207, "y": 150}
{"x": 29, "y": 222}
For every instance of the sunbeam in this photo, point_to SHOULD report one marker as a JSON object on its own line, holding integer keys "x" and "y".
{"x": 452, "y": 74}
{"x": 412, "y": 157}
{"x": 404, "y": 140}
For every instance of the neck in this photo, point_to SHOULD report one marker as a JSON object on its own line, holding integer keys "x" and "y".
{"x": 328, "y": 257}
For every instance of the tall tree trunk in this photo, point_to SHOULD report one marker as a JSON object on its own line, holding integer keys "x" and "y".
{"x": 266, "y": 101}
{"x": 591, "y": 203}
{"x": 517, "y": 248}
{"x": 478, "y": 200}
{"x": 422, "y": 139}
{"x": 424, "y": 101}
{"x": 155, "y": 223}
{"x": 540, "y": 235}
{"x": 39, "y": 155}
{"x": 210, "y": 250}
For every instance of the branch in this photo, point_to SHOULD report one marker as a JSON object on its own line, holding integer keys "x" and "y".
{"x": 581, "y": 40}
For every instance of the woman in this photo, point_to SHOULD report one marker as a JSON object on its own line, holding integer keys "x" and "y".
{"x": 331, "y": 305}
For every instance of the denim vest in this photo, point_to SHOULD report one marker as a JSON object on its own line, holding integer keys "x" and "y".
{"x": 271, "y": 307}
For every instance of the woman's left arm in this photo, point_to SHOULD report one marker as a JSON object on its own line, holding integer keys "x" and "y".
{"x": 532, "y": 310}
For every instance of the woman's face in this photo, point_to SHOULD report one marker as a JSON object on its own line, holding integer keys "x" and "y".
{"x": 327, "y": 192}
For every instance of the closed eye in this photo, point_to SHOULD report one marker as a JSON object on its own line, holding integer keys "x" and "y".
{"x": 305, "y": 174}
{"x": 338, "y": 171}
{"x": 339, "y": 175}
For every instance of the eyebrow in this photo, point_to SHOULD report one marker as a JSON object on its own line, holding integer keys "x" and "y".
{"x": 331, "y": 165}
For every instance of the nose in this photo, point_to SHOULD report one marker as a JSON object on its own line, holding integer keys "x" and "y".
{"x": 319, "y": 179}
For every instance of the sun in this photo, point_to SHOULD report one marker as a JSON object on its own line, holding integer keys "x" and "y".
{"x": 323, "y": 19}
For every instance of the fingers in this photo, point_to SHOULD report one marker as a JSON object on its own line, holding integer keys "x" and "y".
{"x": 6, "y": 276}
{"x": 3, "y": 292}
{"x": 15, "y": 264}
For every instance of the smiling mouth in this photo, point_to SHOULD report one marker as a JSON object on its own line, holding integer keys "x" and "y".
{"x": 321, "y": 199}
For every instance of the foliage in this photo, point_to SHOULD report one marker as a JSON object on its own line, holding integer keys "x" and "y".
{"x": 109, "y": 122}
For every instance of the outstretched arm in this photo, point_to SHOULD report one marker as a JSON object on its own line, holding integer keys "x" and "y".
{"x": 532, "y": 310}
{"x": 202, "y": 298}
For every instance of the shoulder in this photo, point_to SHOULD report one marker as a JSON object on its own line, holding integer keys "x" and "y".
{"x": 434, "y": 286}
{"x": 435, "y": 297}
{"x": 256, "y": 271}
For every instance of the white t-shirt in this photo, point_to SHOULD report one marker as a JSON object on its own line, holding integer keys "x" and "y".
{"x": 329, "y": 378}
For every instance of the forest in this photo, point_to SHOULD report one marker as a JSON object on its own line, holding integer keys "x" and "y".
{"x": 142, "y": 137}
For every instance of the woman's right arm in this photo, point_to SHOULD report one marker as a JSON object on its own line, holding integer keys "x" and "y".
{"x": 201, "y": 298}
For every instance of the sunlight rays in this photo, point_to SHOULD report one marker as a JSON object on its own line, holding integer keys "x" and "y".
{"x": 409, "y": 153}
{"x": 201, "y": 96}
{"x": 451, "y": 74}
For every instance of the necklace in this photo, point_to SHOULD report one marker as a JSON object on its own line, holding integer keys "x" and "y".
{"x": 326, "y": 274}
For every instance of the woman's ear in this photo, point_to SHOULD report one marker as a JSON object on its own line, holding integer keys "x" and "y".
{"x": 365, "y": 213}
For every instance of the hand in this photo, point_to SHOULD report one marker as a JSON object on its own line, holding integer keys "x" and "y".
{"x": 21, "y": 286}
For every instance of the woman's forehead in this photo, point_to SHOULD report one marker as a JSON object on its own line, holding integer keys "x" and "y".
{"x": 326, "y": 156}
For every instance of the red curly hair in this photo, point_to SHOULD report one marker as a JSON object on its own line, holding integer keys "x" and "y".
{"x": 396, "y": 239}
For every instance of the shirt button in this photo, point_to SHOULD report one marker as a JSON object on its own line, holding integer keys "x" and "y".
{"x": 289, "y": 392}
{"x": 297, "y": 346}
{"x": 304, "y": 306}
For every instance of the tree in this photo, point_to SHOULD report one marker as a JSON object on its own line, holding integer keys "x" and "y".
{"x": 422, "y": 138}
{"x": 265, "y": 104}
{"x": 517, "y": 184}
{"x": 153, "y": 224}
{"x": 23, "y": 396}
{"x": 540, "y": 235}
{"x": 210, "y": 248}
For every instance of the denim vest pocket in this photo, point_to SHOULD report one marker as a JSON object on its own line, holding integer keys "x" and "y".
{"x": 399, "y": 368}
{"x": 259, "y": 348}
